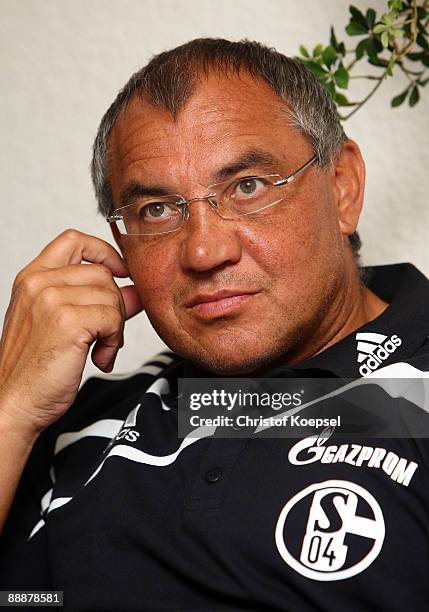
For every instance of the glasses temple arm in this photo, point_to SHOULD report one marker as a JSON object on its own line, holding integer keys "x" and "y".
{"x": 290, "y": 178}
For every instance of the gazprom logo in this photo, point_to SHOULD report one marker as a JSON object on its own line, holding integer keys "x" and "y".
{"x": 373, "y": 349}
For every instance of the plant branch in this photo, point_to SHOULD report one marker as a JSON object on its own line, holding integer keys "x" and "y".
{"x": 413, "y": 41}
{"x": 371, "y": 77}
{"x": 389, "y": 40}
{"x": 409, "y": 72}
{"x": 362, "y": 102}
{"x": 352, "y": 63}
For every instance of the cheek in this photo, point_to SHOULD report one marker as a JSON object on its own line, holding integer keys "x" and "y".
{"x": 292, "y": 239}
{"x": 152, "y": 271}
{"x": 300, "y": 250}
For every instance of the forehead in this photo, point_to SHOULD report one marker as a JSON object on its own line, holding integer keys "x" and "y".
{"x": 223, "y": 117}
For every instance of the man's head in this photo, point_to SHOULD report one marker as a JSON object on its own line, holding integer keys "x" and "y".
{"x": 187, "y": 119}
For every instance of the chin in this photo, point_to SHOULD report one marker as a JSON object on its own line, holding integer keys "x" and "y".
{"x": 235, "y": 351}
{"x": 226, "y": 364}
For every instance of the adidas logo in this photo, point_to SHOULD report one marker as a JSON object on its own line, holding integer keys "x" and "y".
{"x": 373, "y": 349}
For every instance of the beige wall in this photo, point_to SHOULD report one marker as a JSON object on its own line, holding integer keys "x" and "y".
{"x": 62, "y": 63}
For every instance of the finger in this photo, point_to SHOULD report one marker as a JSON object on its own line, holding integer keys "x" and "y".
{"x": 52, "y": 298}
{"x": 33, "y": 282}
{"x": 73, "y": 247}
{"x": 104, "y": 324}
{"x": 133, "y": 304}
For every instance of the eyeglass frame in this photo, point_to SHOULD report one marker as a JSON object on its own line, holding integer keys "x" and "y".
{"x": 183, "y": 204}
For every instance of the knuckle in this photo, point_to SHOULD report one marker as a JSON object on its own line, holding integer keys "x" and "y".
{"x": 65, "y": 316}
{"x": 30, "y": 284}
{"x": 71, "y": 235}
{"x": 18, "y": 280}
{"x": 49, "y": 297}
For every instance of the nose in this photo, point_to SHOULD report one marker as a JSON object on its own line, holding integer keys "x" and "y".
{"x": 208, "y": 240}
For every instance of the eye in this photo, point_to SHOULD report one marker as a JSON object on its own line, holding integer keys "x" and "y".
{"x": 250, "y": 186}
{"x": 157, "y": 211}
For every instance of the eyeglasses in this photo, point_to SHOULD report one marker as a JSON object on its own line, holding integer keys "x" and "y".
{"x": 230, "y": 199}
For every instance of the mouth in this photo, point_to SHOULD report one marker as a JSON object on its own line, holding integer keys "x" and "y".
{"x": 219, "y": 304}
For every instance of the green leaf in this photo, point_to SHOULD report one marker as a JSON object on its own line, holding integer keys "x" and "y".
{"x": 372, "y": 48}
{"x": 342, "y": 48}
{"x": 317, "y": 50}
{"x": 395, "y": 5}
{"x": 370, "y": 17}
{"x": 358, "y": 17}
{"x": 388, "y": 19}
{"x": 421, "y": 40}
{"x": 415, "y": 57}
{"x": 317, "y": 70}
{"x": 407, "y": 30}
{"x": 421, "y": 13}
{"x": 331, "y": 88}
{"x": 361, "y": 48}
{"x": 379, "y": 28}
{"x": 329, "y": 55}
{"x": 341, "y": 100}
{"x": 425, "y": 60}
{"x": 304, "y": 51}
{"x": 333, "y": 39}
{"x": 398, "y": 100}
{"x": 414, "y": 96}
{"x": 356, "y": 29}
{"x": 377, "y": 45}
{"x": 380, "y": 63}
{"x": 341, "y": 77}
{"x": 385, "y": 39}
{"x": 421, "y": 28}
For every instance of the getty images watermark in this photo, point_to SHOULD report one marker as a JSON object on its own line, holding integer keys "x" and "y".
{"x": 239, "y": 402}
{"x": 298, "y": 407}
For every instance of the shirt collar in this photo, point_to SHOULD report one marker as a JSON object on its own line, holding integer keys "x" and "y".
{"x": 407, "y": 318}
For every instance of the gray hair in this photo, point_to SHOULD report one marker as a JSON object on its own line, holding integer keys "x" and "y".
{"x": 170, "y": 79}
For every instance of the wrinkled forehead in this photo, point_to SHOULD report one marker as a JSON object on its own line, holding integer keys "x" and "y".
{"x": 224, "y": 115}
{"x": 218, "y": 102}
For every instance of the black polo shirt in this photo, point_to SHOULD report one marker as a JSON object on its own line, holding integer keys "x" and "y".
{"x": 120, "y": 514}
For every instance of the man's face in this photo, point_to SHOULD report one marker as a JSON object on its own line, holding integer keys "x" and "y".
{"x": 233, "y": 296}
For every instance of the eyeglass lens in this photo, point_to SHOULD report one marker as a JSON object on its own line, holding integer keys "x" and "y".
{"x": 233, "y": 199}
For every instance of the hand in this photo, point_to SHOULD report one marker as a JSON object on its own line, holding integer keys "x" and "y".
{"x": 58, "y": 308}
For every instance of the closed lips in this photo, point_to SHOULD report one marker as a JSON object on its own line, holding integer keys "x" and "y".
{"x": 219, "y": 295}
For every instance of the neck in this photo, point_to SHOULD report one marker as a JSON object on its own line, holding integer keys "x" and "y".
{"x": 353, "y": 306}
{"x": 366, "y": 307}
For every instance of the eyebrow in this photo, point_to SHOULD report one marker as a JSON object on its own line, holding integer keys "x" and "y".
{"x": 249, "y": 159}
{"x": 135, "y": 190}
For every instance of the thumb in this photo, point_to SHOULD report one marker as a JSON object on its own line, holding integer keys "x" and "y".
{"x": 132, "y": 302}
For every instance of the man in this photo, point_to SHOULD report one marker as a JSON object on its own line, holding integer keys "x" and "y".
{"x": 242, "y": 273}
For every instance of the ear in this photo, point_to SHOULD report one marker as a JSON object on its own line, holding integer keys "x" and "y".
{"x": 349, "y": 185}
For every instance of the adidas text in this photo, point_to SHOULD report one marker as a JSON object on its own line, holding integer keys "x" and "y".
{"x": 379, "y": 355}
